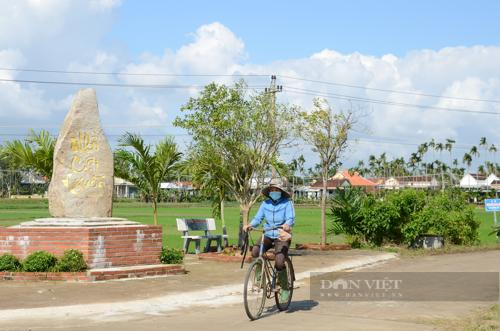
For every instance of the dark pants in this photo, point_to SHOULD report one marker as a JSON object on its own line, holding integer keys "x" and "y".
{"x": 280, "y": 247}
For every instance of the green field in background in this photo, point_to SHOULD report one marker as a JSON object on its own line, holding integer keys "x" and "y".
{"x": 307, "y": 229}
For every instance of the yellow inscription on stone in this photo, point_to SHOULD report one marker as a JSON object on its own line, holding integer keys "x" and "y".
{"x": 82, "y": 164}
{"x": 84, "y": 142}
{"x": 77, "y": 184}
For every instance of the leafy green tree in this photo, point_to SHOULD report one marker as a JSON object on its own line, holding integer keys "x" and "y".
{"x": 327, "y": 131}
{"x": 208, "y": 173}
{"x": 35, "y": 153}
{"x": 245, "y": 132}
{"x": 144, "y": 167}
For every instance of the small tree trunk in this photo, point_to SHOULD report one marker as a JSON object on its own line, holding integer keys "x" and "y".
{"x": 323, "y": 214}
{"x": 155, "y": 211}
{"x": 223, "y": 221}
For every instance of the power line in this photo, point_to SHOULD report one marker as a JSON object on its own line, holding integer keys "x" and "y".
{"x": 159, "y": 86}
{"x": 248, "y": 75}
{"x": 104, "y": 126}
{"x": 388, "y": 90}
{"x": 132, "y": 73}
{"x": 383, "y": 102}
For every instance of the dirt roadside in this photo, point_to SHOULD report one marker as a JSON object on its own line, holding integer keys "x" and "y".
{"x": 304, "y": 313}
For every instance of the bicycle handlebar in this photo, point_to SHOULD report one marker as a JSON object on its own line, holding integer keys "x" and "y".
{"x": 268, "y": 229}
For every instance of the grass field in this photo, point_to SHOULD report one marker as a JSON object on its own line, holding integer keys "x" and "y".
{"x": 307, "y": 227}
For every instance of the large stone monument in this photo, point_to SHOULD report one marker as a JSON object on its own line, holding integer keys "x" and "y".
{"x": 80, "y": 203}
{"x": 82, "y": 180}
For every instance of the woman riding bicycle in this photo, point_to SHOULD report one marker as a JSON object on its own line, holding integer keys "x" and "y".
{"x": 277, "y": 211}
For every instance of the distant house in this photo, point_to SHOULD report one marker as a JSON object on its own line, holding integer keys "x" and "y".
{"x": 396, "y": 183}
{"x": 355, "y": 180}
{"x": 124, "y": 189}
{"x": 423, "y": 182}
{"x": 179, "y": 186}
{"x": 476, "y": 181}
{"x": 495, "y": 184}
{"x": 331, "y": 186}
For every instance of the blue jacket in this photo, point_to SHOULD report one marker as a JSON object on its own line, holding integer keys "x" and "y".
{"x": 276, "y": 214}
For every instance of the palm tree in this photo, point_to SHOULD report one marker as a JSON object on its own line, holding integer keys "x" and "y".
{"x": 474, "y": 151}
{"x": 467, "y": 159}
{"x": 372, "y": 163}
{"x": 490, "y": 167}
{"x": 144, "y": 168}
{"x": 493, "y": 150}
{"x": 35, "y": 153}
{"x": 439, "y": 147}
{"x": 481, "y": 170}
{"x": 414, "y": 161}
{"x": 449, "y": 146}
{"x": 422, "y": 150}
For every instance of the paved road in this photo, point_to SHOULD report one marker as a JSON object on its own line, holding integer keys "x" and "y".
{"x": 304, "y": 313}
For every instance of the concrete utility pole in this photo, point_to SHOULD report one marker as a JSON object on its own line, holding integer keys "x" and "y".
{"x": 272, "y": 90}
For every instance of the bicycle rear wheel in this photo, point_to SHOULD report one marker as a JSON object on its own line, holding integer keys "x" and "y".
{"x": 283, "y": 296}
{"x": 254, "y": 292}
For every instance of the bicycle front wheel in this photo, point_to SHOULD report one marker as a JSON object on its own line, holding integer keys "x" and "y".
{"x": 254, "y": 292}
{"x": 283, "y": 295}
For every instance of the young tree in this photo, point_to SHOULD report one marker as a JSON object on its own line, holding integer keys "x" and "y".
{"x": 144, "y": 167}
{"x": 327, "y": 131}
{"x": 205, "y": 166}
{"x": 245, "y": 132}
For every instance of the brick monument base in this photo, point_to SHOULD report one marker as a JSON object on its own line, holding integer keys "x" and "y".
{"x": 104, "y": 242}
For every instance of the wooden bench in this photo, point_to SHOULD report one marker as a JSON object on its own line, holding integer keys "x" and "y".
{"x": 189, "y": 225}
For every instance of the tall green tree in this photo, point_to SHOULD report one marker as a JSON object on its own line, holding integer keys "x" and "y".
{"x": 327, "y": 130}
{"x": 245, "y": 131}
{"x": 35, "y": 153}
{"x": 205, "y": 166}
{"x": 146, "y": 166}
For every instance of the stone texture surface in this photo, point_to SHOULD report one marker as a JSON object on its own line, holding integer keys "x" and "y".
{"x": 82, "y": 179}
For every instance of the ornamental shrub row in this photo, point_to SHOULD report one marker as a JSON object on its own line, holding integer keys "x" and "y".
{"x": 40, "y": 261}
{"x": 401, "y": 216}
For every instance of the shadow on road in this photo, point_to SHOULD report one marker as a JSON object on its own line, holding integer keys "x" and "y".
{"x": 301, "y": 305}
{"x": 295, "y": 306}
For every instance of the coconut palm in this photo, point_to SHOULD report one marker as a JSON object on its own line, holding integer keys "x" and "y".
{"x": 35, "y": 153}
{"x": 449, "y": 146}
{"x": 467, "y": 160}
{"x": 474, "y": 151}
{"x": 493, "y": 150}
{"x": 481, "y": 170}
{"x": 145, "y": 168}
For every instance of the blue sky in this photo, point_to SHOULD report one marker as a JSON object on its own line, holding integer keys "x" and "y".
{"x": 449, "y": 49}
{"x": 276, "y": 30}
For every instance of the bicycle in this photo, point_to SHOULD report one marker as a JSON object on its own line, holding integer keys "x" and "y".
{"x": 261, "y": 281}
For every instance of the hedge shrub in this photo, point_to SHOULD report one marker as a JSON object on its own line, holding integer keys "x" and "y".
{"x": 71, "y": 261}
{"x": 171, "y": 256}
{"x": 9, "y": 262}
{"x": 401, "y": 216}
{"x": 39, "y": 261}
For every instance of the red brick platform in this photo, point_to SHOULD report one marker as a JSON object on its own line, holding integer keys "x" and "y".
{"x": 124, "y": 243}
{"x": 97, "y": 274}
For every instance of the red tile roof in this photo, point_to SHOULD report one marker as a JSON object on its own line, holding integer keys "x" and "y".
{"x": 356, "y": 180}
{"x": 331, "y": 183}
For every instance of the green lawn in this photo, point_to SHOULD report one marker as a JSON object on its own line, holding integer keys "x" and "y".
{"x": 307, "y": 227}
